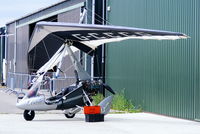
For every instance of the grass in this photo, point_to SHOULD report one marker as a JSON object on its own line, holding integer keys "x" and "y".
{"x": 97, "y": 99}
{"x": 120, "y": 103}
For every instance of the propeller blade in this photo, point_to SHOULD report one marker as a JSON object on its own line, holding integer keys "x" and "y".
{"x": 108, "y": 88}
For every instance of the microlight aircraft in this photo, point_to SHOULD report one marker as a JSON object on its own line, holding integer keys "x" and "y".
{"x": 85, "y": 37}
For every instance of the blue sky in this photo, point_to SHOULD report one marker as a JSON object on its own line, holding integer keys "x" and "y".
{"x": 13, "y": 9}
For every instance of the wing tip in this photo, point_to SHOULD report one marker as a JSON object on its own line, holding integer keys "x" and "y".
{"x": 184, "y": 36}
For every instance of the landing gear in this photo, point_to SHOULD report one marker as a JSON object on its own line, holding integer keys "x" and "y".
{"x": 29, "y": 115}
{"x": 69, "y": 115}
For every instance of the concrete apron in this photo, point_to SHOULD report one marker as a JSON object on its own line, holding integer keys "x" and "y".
{"x": 136, "y": 123}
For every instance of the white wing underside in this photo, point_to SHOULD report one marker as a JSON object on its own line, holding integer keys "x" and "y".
{"x": 94, "y": 44}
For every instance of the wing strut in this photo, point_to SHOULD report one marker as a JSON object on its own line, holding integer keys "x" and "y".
{"x": 82, "y": 74}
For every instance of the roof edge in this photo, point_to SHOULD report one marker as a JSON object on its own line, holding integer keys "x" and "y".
{"x": 36, "y": 11}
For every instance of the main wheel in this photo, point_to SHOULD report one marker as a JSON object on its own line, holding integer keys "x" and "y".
{"x": 29, "y": 115}
{"x": 69, "y": 115}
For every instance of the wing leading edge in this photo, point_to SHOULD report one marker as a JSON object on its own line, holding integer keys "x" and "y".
{"x": 87, "y": 37}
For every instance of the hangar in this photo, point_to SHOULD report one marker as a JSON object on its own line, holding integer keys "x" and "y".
{"x": 161, "y": 77}
{"x": 17, "y": 45}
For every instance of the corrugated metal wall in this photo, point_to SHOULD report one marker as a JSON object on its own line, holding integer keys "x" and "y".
{"x": 10, "y": 47}
{"x": 18, "y": 43}
{"x": 71, "y": 16}
{"x": 161, "y": 76}
{"x": 49, "y": 11}
{"x": 20, "y": 39}
{"x": 22, "y": 49}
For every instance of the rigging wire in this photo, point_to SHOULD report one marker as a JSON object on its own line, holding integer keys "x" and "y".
{"x": 57, "y": 56}
{"x": 98, "y": 65}
{"x": 63, "y": 40}
{"x": 45, "y": 49}
{"x": 81, "y": 58}
{"x": 90, "y": 17}
{"x": 34, "y": 57}
{"x": 100, "y": 19}
{"x": 105, "y": 20}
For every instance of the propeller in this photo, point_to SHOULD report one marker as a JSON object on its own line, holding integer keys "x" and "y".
{"x": 108, "y": 88}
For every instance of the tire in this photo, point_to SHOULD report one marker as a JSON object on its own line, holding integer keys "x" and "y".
{"x": 3, "y": 84}
{"x": 29, "y": 115}
{"x": 69, "y": 115}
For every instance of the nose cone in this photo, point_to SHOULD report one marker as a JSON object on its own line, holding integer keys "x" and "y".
{"x": 21, "y": 105}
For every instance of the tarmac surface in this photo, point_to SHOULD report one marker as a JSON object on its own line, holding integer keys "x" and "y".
{"x": 138, "y": 123}
{"x": 12, "y": 122}
{"x": 7, "y": 103}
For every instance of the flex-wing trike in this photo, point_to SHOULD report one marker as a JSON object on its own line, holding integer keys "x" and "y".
{"x": 69, "y": 37}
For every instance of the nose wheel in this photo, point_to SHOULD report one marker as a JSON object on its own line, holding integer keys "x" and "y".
{"x": 29, "y": 115}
